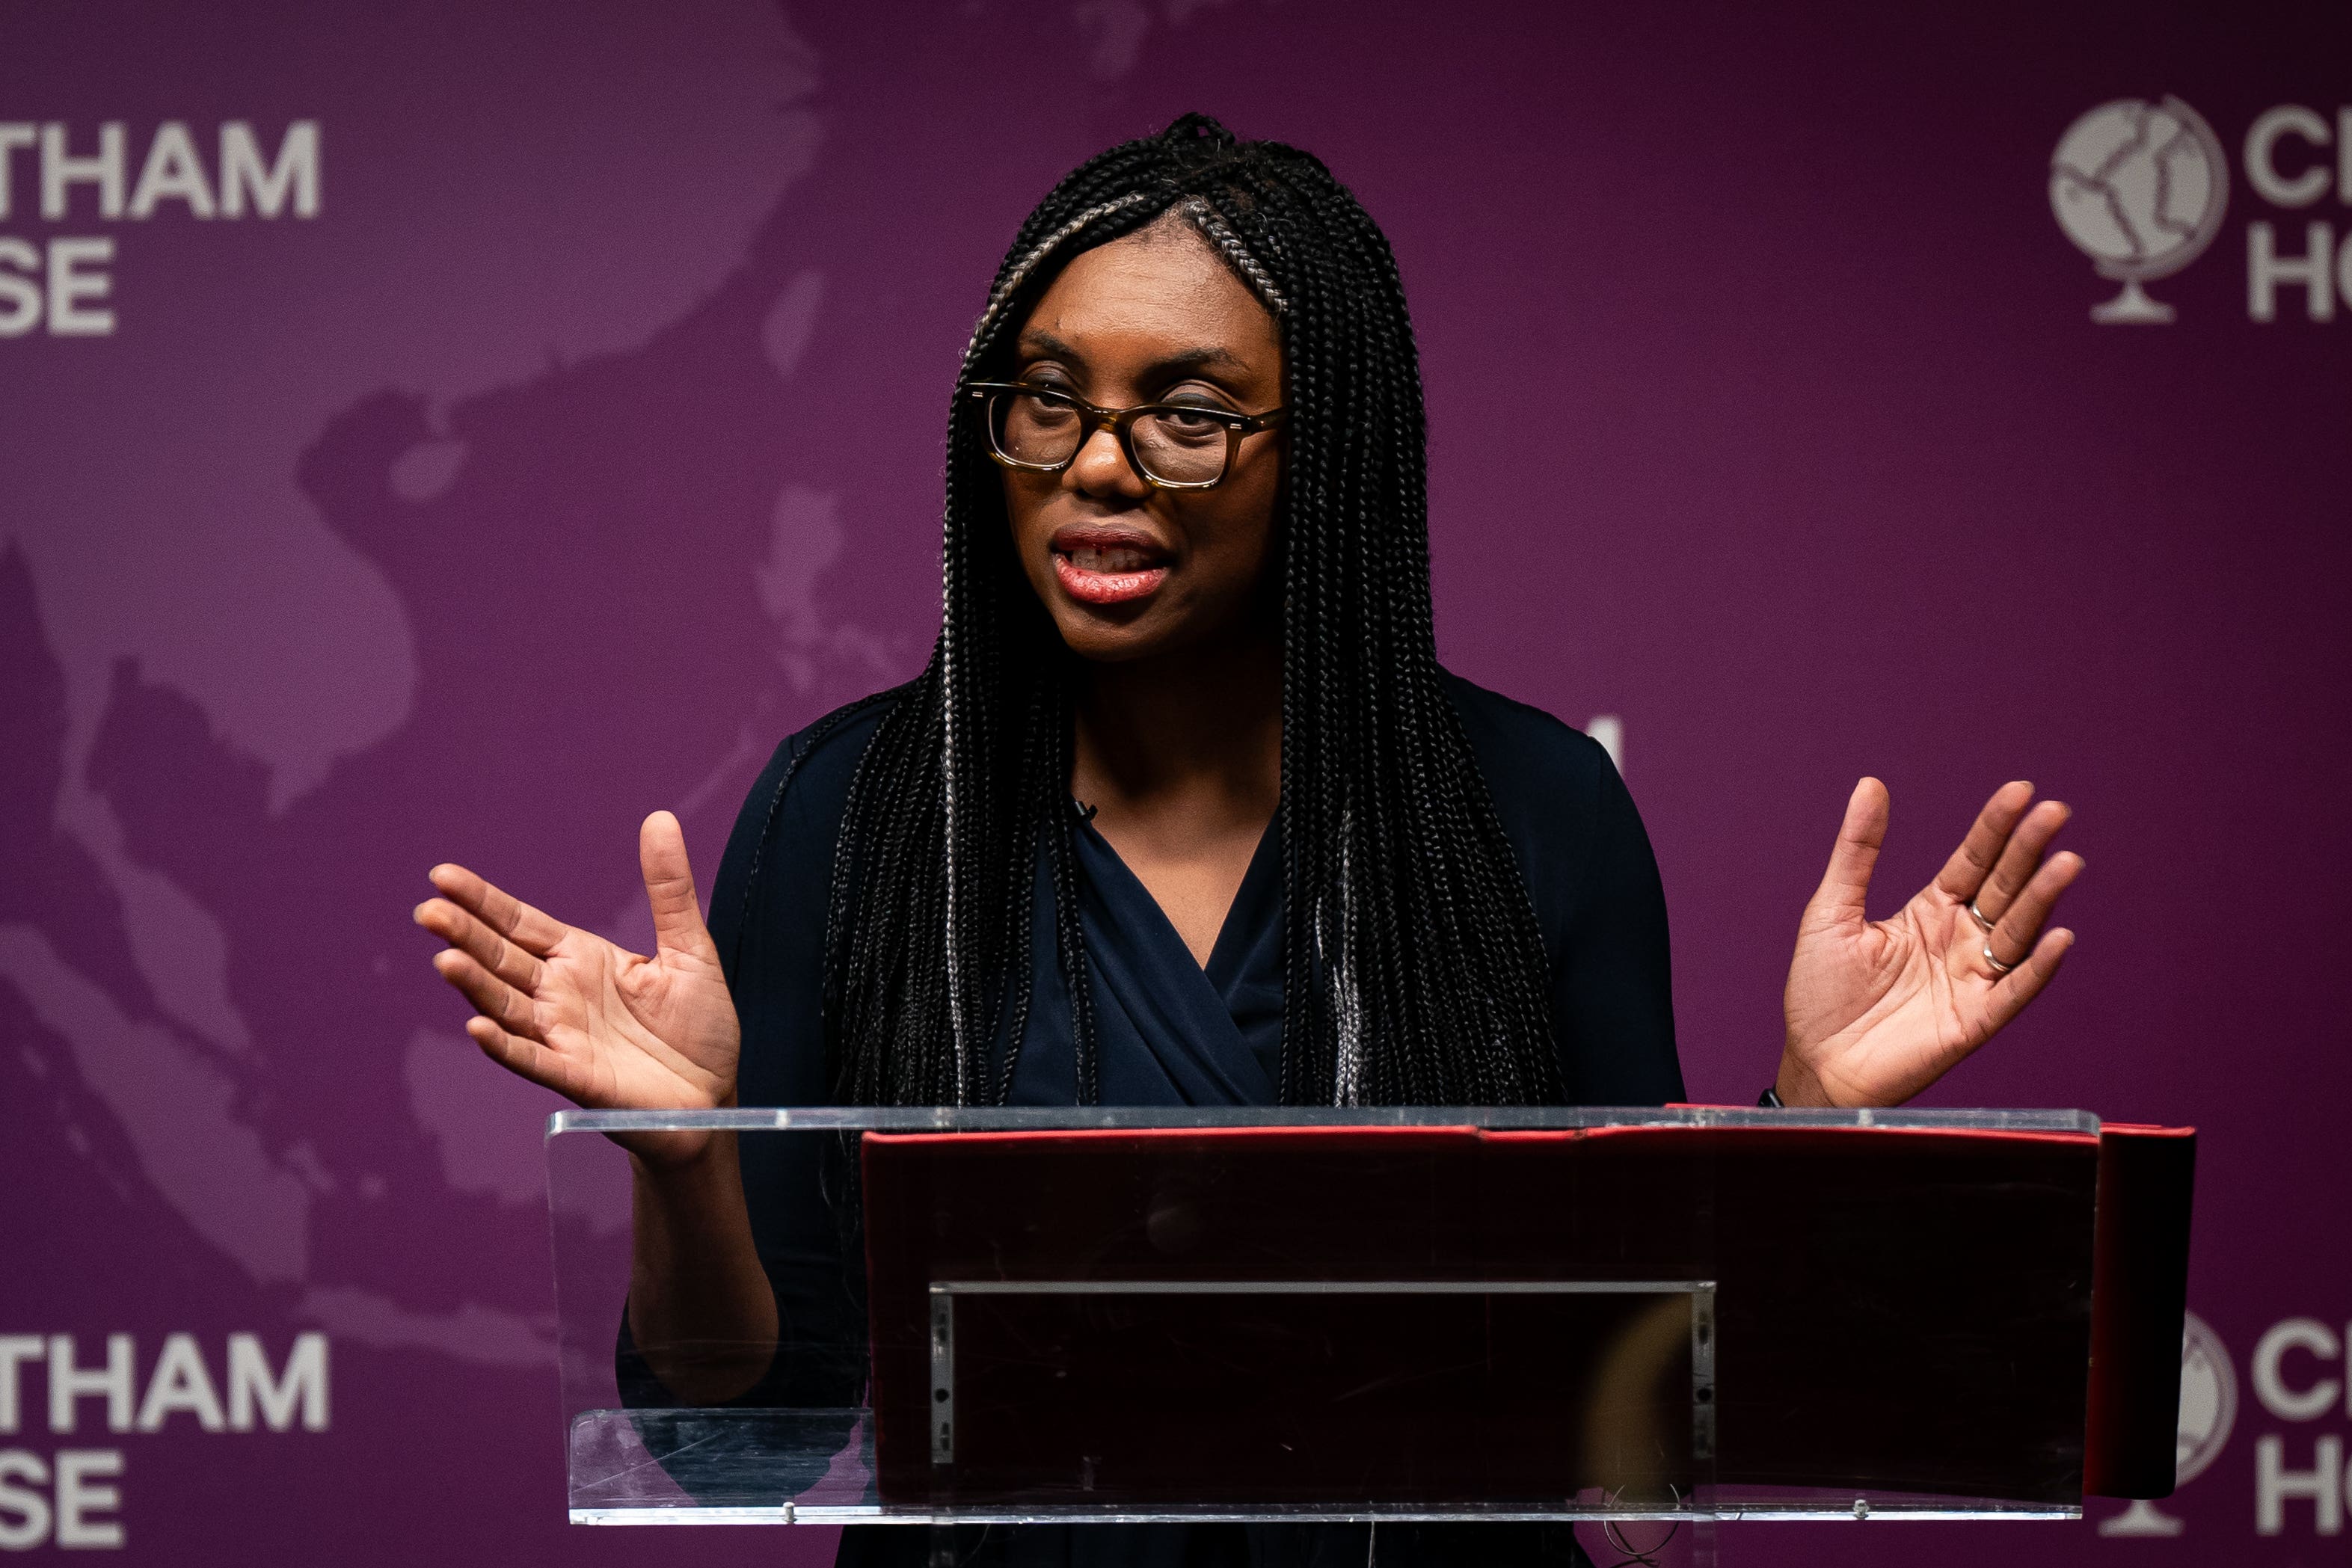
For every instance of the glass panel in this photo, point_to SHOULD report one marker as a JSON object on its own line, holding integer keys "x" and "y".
{"x": 1551, "y": 1313}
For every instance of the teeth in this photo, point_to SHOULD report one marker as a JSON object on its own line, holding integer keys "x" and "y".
{"x": 1095, "y": 558}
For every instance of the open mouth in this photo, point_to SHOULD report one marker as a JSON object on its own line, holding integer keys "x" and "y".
{"x": 1106, "y": 567}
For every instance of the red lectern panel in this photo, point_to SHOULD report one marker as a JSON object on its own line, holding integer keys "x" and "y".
{"x": 1894, "y": 1309}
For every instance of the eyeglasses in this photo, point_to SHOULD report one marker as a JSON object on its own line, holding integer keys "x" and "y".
{"x": 1173, "y": 446}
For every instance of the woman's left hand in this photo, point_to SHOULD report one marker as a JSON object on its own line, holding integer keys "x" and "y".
{"x": 1878, "y": 1009}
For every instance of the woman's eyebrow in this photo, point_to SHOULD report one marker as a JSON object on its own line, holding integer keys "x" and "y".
{"x": 1037, "y": 344}
{"x": 1208, "y": 357}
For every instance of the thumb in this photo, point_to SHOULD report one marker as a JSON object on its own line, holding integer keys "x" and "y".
{"x": 1845, "y": 885}
{"x": 669, "y": 886}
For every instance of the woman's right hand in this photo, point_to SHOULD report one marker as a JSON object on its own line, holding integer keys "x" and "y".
{"x": 605, "y": 1028}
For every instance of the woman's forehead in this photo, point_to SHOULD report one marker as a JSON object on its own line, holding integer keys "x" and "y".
{"x": 1163, "y": 282}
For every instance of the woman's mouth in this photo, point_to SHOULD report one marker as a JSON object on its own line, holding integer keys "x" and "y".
{"x": 1106, "y": 571}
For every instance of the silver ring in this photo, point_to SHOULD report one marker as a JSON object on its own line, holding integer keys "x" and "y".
{"x": 1998, "y": 966}
{"x": 1978, "y": 916}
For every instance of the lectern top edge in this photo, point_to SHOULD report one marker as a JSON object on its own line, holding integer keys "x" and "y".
{"x": 1010, "y": 1119}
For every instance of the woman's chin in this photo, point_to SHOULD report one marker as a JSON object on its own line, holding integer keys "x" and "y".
{"x": 1102, "y": 636}
{"x": 1163, "y": 626}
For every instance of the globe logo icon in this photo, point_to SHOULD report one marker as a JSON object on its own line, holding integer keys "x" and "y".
{"x": 2139, "y": 187}
{"x": 2208, "y": 1409}
{"x": 2208, "y": 1399}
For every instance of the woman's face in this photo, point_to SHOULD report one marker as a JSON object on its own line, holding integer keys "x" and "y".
{"x": 1129, "y": 572}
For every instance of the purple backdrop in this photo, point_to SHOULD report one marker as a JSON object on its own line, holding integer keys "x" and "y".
{"x": 585, "y": 439}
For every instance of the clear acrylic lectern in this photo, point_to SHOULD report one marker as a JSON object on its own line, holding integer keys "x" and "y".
{"x": 1687, "y": 1313}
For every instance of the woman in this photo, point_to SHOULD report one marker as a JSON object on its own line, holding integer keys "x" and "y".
{"x": 1182, "y": 809}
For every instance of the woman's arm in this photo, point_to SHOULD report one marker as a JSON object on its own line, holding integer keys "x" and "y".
{"x": 1612, "y": 1000}
{"x": 611, "y": 1029}
{"x": 701, "y": 1312}
{"x": 1598, "y": 902}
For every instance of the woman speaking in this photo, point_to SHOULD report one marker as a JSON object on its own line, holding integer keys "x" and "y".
{"x": 1182, "y": 811}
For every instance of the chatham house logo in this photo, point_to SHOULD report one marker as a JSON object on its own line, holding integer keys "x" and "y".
{"x": 2140, "y": 188}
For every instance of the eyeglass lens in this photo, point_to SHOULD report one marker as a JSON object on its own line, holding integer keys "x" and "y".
{"x": 1172, "y": 445}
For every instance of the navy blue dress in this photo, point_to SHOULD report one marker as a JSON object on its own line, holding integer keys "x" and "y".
{"x": 1170, "y": 1031}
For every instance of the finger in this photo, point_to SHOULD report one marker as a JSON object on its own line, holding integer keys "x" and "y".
{"x": 492, "y": 998}
{"x": 2019, "y": 930}
{"x": 2011, "y": 992}
{"x": 1966, "y": 872}
{"x": 523, "y": 1056}
{"x": 1845, "y": 885}
{"x": 477, "y": 941}
{"x": 502, "y": 912}
{"x": 669, "y": 886}
{"x": 2021, "y": 857}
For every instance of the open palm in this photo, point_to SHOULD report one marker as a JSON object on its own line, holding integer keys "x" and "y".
{"x": 1876, "y": 1011}
{"x": 605, "y": 1028}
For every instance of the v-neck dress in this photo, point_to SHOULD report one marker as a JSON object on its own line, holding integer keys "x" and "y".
{"x": 1169, "y": 1032}
{"x": 1167, "y": 1029}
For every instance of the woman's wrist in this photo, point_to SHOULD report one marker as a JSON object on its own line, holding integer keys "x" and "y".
{"x": 685, "y": 1164}
{"x": 1798, "y": 1088}
{"x": 690, "y": 1210}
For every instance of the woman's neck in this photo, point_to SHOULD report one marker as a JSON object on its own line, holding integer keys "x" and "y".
{"x": 1186, "y": 745}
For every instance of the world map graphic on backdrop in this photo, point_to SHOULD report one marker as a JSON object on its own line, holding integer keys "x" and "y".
{"x": 223, "y": 1028}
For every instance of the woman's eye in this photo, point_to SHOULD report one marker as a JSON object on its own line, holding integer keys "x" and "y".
{"x": 1043, "y": 404}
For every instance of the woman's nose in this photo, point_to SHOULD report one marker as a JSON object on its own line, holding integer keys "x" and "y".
{"x": 1101, "y": 468}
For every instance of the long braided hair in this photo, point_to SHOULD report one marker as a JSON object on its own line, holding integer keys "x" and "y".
{"x": 1413, "y": 967}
